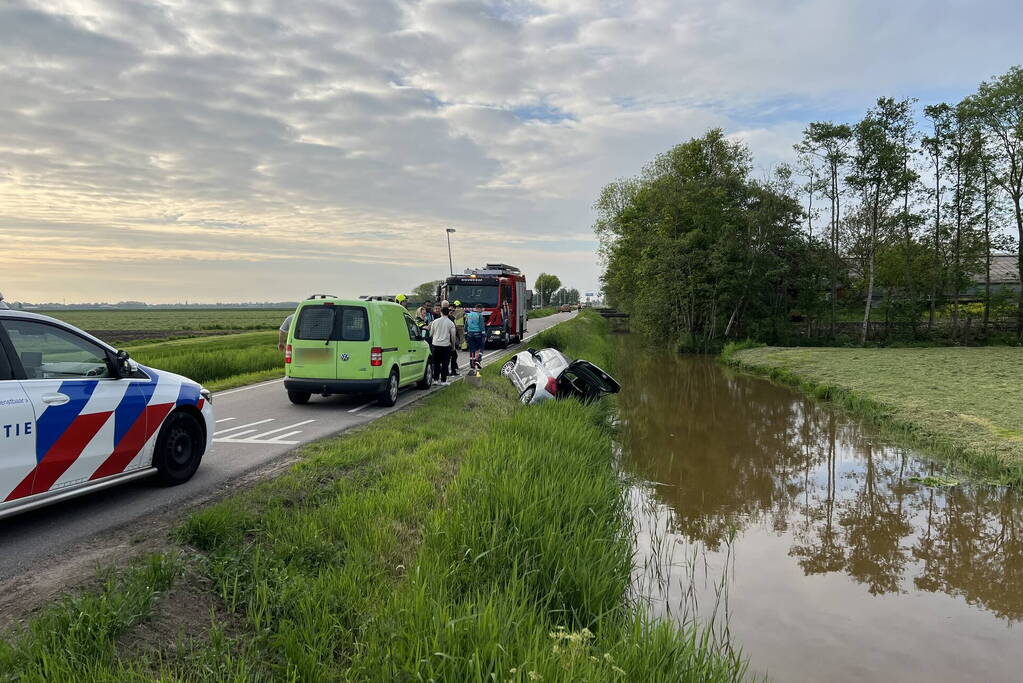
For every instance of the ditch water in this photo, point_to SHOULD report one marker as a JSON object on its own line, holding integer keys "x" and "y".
{"x": 800, "y": 538}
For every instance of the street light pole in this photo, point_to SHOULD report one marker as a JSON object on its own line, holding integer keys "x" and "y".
{"x": 451, "y": 267}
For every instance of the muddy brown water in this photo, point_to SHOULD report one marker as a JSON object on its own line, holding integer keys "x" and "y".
{"x": 798, "y": 536}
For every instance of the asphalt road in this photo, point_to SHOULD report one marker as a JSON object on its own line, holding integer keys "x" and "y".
{"x": 256, "y": 425}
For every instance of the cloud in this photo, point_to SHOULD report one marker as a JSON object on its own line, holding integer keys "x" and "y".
{"x": 324, "y": 144}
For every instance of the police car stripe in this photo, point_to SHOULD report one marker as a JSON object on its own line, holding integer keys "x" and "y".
{"x": 132, "y": 404}
{"x": 67, "y": 449}
{"x": 55, "y": 420}
{"x": 134, "y": 440}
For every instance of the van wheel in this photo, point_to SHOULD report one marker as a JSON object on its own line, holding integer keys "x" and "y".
{"x": 179, "y": 449}
{"x": 427, "y": 381}
{"x": 299, "y": 398}
{"x": 389, "y": 396}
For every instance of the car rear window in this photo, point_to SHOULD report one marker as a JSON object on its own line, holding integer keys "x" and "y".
{"x": 332, "y": 323}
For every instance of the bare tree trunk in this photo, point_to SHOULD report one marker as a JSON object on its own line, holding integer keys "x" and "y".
{"x": 1019, "y": 264}
{"x": 937, "y": 242}
{"x": 836, "y": 260}
{"x": 870, "y": 297}
{"x": 987, "y": 247}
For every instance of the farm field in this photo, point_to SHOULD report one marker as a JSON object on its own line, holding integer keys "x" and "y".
{"x": 129, "y": 325}
{"x": 217, "y": 362}
{"x": 962, "y": 403}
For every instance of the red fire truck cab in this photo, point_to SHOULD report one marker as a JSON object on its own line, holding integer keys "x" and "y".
{"x": 502, "y": 291}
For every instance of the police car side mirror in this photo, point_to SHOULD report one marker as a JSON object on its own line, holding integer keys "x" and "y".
{"x": 124, "y": 365}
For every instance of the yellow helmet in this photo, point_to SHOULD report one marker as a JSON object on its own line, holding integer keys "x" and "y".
{"x": 458, "y": 304}
{"x": 400, "y": 298}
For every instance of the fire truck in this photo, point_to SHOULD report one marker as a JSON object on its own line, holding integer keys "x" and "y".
{"x": 502, "y": 291}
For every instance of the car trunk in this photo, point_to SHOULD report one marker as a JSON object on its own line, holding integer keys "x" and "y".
{"x": 586, "y": 381}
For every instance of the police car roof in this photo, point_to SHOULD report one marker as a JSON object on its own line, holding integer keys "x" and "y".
{"x": 29, "y": 315}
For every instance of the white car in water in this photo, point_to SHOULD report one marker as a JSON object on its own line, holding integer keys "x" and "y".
{"x": 546, "y": 374}
{"x": 77, "y": 416}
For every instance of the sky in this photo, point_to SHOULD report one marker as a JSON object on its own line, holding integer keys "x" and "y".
{"x": 263, "y": 150}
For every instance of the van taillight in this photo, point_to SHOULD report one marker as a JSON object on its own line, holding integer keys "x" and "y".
{"x": 552, "y": 386}
{"x": 376, "y": 356}
{"x": 287, "y": 354}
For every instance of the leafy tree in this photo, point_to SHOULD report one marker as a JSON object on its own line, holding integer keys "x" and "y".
{"x": 879, "y": 175}
{"x": 999, "y": 105}
{"x": 826, "y": 145}
{"x": 546, "y": 284}
{"x": 427, "y": 290}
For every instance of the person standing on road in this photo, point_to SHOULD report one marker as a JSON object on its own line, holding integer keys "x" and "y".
{"x": 457, "y": 313}
{"x": 444, "y": 339}
{"x": 3, "y": 304}
{"x": 282, "y": 332}
{"x": 475, "y": 335}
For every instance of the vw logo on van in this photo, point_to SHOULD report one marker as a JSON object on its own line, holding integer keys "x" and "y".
{"x": 344, "y": 356}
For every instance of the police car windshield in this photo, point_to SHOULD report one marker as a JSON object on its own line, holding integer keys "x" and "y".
{"x": 470, "y": 295}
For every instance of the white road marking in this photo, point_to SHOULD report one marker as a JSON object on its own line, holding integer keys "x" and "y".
{"x": 226, "y": 419}
{"x": 251, "y": 386}
{"x": 355, "y": 410}
{"x": 251, "y": 424}
{"x": 281, "y": 429}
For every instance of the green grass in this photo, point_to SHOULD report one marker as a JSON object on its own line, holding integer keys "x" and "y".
{"x": 541, "y": 312}
{"x": 217, "y": 362}
{"x": 466, "y": 539}
{"x": 960, "y": 404}
{"x": 174, "y": 319}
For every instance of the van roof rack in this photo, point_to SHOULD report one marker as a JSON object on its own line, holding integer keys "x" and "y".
{"x": 321, "y": 296}
{"x": 379, "y": 297}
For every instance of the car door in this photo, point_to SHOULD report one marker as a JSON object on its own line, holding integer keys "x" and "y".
{"x": 414, "y": 359}
{"x": 88, "y": 422}
{"x": 17, "y": 433}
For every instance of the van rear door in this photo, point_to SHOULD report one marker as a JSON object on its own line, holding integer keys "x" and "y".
{"x": 312, "y": 355}
{"x": 352, "y": 343}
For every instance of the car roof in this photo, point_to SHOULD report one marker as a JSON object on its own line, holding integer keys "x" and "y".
{"x": 348, "y": 302}
{"x": 10, "y": 314}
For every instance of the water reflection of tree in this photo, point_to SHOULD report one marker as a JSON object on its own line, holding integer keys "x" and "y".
{"x": 729, "y": 452}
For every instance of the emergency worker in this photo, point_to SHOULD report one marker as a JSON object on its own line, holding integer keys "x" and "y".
{"x": 475, "y": 334}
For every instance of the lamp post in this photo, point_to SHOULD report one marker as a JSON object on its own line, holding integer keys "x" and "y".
{"x": 451, "y": 267}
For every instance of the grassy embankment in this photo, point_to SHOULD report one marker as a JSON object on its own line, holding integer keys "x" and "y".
{"x": 960, "y": 404}
{"x": 218, "y": 362}
{"x": 467, "y": 539}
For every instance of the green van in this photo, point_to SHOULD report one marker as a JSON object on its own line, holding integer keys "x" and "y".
{"x": 339, "y": 346}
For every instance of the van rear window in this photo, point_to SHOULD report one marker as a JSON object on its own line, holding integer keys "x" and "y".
{"x": 332, "y": 323}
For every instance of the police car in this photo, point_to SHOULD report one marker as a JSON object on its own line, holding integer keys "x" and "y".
{"x": 77, "y": 416}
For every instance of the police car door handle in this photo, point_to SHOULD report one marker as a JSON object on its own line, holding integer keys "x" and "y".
{"x": 55, "y": 399}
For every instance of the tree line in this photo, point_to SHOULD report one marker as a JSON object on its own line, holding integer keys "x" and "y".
{"x": 897, "y": 216}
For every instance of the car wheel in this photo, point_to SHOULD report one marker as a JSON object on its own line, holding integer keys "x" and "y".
{"x": 389, "y": 396}
{"x": 507, "y": 368}
{"x": 179, "y": 449}
{"x": 299, "y": 398}
{"x": 427, "y": 381}
{"x": 526, "y": 396}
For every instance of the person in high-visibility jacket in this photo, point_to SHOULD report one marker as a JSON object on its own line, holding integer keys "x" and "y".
{"x": 475, "y": 334}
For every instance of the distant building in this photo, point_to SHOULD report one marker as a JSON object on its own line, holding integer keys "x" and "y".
{"x": 1004, "y": 275}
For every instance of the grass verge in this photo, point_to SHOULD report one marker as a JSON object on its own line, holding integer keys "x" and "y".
{"x": 467, "y": 538}
{"x": 958, "y": 404}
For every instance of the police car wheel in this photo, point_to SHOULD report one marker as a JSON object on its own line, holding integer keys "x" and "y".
{"x": 389, "y": 396}
{"x": 427, "y": 381}
{"x": 299, "y": 398}
{"x": 179, "y": 449}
